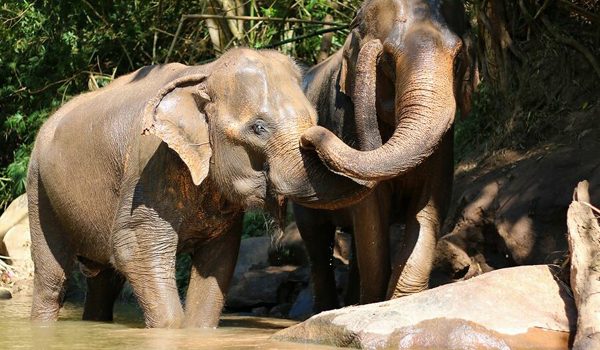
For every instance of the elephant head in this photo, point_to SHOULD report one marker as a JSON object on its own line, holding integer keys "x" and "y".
{"x": 417, "y": 65}
{"x": 238, "y": 122}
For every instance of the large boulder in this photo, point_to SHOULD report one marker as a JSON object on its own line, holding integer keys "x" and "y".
{"x": 15, "y": 214}
{"x": 16, "y": 244}
{"x": 253, "y": 255}
{"x": 269, "y": 286}
{"x": 289, "y": 249}
{"x": 522, "y": 307}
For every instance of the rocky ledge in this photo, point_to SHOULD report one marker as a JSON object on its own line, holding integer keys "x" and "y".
{"x": 516, "y": 308}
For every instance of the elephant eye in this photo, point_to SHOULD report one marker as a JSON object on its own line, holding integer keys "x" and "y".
{"x": 258, "y": 127}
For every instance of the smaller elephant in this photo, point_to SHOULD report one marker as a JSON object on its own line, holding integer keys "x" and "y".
{"x": 165, "y": 160}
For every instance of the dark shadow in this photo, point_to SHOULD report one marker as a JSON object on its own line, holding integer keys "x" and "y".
{"x": 524, "y": 221}
{"x": 566, "y": 294}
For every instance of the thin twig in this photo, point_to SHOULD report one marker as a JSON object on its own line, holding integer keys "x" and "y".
{"x": 266, "y": 19}
{"x": 111, "y": 28}
{"x": 302, "y": 37}
{"x": 578, "y": 10}
{"x": 67, "y": 80}
{"x": 161, "y": 31}
{"x": 541, "y": 9}
{"x": 183, "y": 18}
{"x": 591, "y": 207}
{"x": 254, "y": 18}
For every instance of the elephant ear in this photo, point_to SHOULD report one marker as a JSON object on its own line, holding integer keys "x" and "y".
{"x": 349, "y": 58}
{"x": 466, "y": 72}
{"x": 176, "y": 115}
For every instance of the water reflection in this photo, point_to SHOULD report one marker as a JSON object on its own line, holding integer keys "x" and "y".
{"x": 128, "y": 332}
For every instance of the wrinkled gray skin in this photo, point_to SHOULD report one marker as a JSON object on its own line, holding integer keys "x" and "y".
{"x": 396, "y": 81}
{"x": 165, "y": 160}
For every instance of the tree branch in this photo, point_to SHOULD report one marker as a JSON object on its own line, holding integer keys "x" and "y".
{"x": 112, "y": 30}
{"x": 567, "y": 40}
{"x": 338, "y": 26}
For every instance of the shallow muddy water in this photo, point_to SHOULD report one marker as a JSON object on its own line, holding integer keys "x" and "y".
{"x": 128, "y": 332}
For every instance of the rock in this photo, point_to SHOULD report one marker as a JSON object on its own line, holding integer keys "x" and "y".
{"x": 253, "y": 254}
{"x": 5, "y": 294}
{"x": 303, "y": 306}
{"x": 23, "y": 287}
{"x": 290, "y": 249}
{"x": 260, "y": 311}
{"x": 522, "y": 307}
{"x": 584, "y": 244}
{"x": 16, "y": 213}
{"x": 268, "y": 286}
{"x": 280, "y": 311}
{"x": 17, "y": 245}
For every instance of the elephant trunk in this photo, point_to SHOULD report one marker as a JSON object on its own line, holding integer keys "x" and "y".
{"x": 424, "y": 112}
{"x": 301, "y": 176}
{"x": 364, "y": 96}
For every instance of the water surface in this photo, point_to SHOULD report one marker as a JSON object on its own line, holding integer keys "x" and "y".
{"x": 128, "y": 332}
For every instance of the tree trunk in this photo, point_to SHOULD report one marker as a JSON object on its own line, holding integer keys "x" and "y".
{"x": 584, "y": 245}
{"x": 325, "y": 42}
{"x": 223, "y": 32}
{"x": 495, "y": 42}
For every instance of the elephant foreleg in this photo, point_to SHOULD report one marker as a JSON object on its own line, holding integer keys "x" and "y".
{"x": 212, "y": 268}
{"x": 426, "y": 212}
{"x": 146, "y": 257}
{"x": 371, "y": 222}
{"x": 413, "y": 265}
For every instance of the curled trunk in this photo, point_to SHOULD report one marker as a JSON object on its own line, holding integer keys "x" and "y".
{"x": 302, "y": 177}
{"x": 425, "y": 108}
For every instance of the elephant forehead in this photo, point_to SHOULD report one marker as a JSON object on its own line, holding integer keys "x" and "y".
{"x": 261, "y": 89}
{"x": 240, "y": 83}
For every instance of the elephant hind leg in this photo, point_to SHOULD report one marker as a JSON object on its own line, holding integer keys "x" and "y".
{"x": 52, "y": 257}
{"x": 102, "y": 291}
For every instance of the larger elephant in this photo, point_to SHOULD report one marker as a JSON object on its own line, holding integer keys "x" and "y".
{"x": 395, "y": 82}
{"x": 165, "y": 160}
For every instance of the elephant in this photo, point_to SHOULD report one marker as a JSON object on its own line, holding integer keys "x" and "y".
{"x": 165, "y": 160}
{"x": 386, "y": 103}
